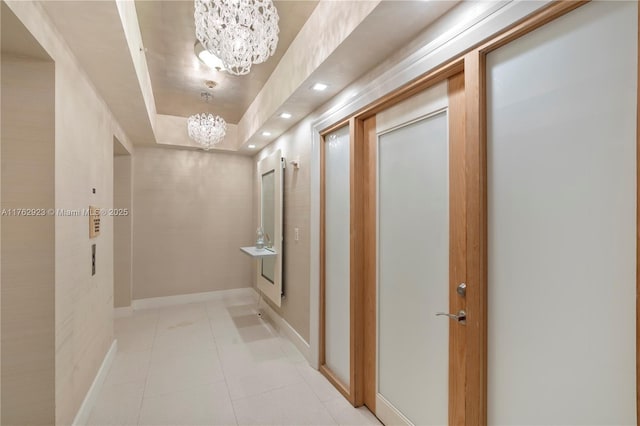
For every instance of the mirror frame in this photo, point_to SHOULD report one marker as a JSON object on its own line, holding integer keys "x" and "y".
{"x": 272, "y": 163}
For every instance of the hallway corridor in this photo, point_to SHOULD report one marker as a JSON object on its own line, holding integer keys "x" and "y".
{"x": 214, "y": 363}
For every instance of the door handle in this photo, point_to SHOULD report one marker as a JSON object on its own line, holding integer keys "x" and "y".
{"x": 461, "y": 316}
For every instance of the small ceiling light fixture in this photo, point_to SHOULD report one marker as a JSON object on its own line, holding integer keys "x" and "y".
{"x": 319, "y": 87}
{"x": 207, "y": 58}
{"x": 205, "y": 129}
{"x": 251, "y": 146}
{"x": 285, "y": 115}
{"x": 239, "y": 32}
{"x": 266, "y": 133}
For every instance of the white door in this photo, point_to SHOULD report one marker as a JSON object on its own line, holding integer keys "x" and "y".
{"x": 413, "y": 260}
{"x": 337, "y": 248}
{"x": 561, "y": 158}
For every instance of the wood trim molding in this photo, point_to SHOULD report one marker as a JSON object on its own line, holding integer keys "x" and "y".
{"x": 323, "y": 260}
{"x": 457, "y": 246}
{"x": 370, "y": 154}
{"x": 541, "y": 17}
{"x": 337, "y": 383}
{"x": 476, "y": 205}
{"x": 356, "y": 129}
{"x": 420, "y": 84}
{"x": 338, "y": 125}
{"x": 353, "y": 392}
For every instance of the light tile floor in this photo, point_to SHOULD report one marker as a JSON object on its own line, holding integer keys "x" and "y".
{"x": 214, "y": 363}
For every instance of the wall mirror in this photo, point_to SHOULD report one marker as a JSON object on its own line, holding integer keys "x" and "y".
{"x": 268, "y": 223}
{"x": 269, "y": 274}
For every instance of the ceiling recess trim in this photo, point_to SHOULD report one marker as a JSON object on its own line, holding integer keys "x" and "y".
{"x": 335, "y": 21}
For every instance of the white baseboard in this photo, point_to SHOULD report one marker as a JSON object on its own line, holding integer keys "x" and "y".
{"x": 389, "y": 414}
{"x": 287, "y": 330}
{"x": 82, "y": 417}
{"x": 127, "y": 311}
{"x": 180, "y": 299}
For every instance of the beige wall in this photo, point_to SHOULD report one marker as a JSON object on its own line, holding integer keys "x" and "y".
{"x": 122, "y": 231}
{"x": 193, "y": 210}
{"x": 295, "y": 305}
{"x": 28, "y": 246}
{"x": 84, "y": 303}
{"x": 84, "y": 131}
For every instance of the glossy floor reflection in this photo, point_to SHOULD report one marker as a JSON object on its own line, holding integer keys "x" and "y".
{"x": 214, "y": 363}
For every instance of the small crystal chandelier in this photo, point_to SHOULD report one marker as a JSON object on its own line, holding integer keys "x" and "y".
{"x": 206, "y": 130}
{"x": 239, "y": 32}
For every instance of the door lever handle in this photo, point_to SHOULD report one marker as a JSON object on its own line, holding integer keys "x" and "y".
{"x": 461, "y": 316}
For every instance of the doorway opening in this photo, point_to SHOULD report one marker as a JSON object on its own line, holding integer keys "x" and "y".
{"x": 122, "y": 225}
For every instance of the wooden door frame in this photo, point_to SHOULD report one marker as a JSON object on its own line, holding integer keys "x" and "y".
{"x": 473, "y": 64}
{"x": 362, "y": 241}
{"x": 457, "y": 236}
{"x": 476, "y": 181}
{"x": 476, "y": 177}
{"x": 352, "y": 391}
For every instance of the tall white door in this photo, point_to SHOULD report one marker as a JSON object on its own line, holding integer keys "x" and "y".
{"x": 413, "y": 260}
{"x": 561, "y": 158}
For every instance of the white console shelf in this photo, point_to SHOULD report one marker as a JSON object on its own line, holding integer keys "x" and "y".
{"x": 256, "y": 252}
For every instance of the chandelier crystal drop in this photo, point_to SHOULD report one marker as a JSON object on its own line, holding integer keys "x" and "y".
{"x": 206, "y": 130}
{"x": 239, "y": 32}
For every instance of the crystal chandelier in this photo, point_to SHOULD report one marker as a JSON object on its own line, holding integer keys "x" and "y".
{"x": 239, "y": 32}
{"x": 206, "y": 130}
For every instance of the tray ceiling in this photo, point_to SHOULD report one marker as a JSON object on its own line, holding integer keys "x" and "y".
{"x": 178, "y": 77}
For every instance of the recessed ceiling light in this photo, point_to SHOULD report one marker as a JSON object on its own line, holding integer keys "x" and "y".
{"x": 285, "y": 115}
{"x": 319, "y": 87}
{"x": 266, "y": 133}
{"x": 252, "y": 146}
